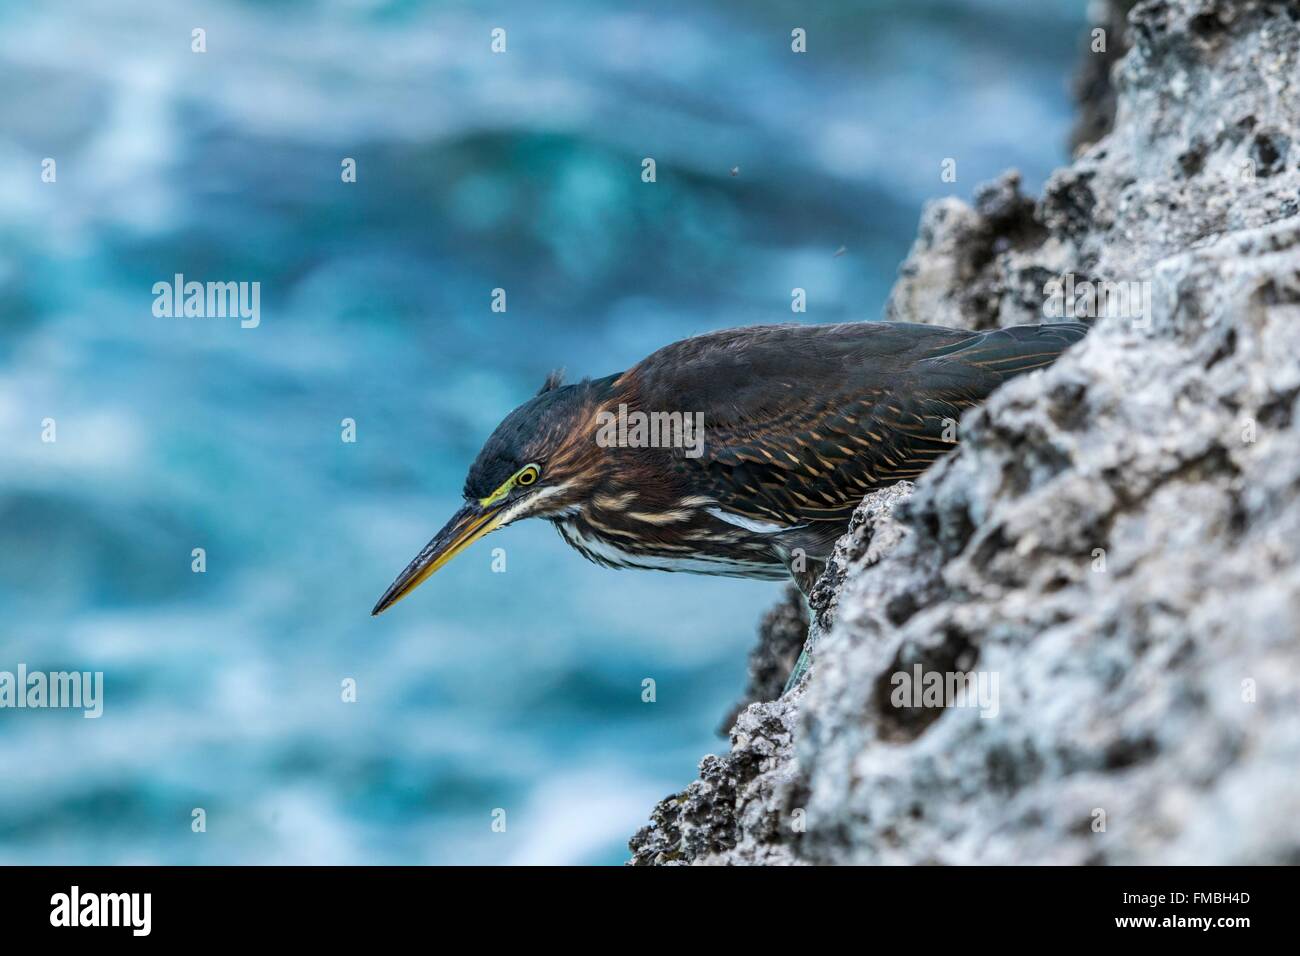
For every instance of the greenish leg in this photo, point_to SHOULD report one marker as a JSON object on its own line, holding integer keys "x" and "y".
{"x": 805, "y": 579}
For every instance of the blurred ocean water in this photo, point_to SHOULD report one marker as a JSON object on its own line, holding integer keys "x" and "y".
{"x": 476, "y": 171}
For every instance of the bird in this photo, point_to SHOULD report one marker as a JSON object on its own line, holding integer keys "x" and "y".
{"x": 796, "y": 424}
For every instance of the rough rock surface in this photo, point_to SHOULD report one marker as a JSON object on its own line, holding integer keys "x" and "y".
{"x": 740, "y": 810}
{"x": 1117, "y": 538}
{"x": 1106, "y": 43}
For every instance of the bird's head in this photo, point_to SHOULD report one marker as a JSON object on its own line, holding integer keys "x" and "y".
{"x": 541, "y": 461}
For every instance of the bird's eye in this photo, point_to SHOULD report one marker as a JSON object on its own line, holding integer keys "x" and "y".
{"x": 527, "y": 475}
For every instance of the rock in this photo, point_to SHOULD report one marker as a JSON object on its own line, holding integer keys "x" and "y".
{"x": 946, "y": 279}
{"x": 735, "y": 813}
{"x": 741, "y": 810}
{"x": 1093, "y": 90}
{"x": 873, "y": 533}
{"x": 1116, "y": 540}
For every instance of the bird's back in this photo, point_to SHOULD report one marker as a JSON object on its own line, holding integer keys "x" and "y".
{"x": 744, "y": 366}
{"x": 801, "y": 421}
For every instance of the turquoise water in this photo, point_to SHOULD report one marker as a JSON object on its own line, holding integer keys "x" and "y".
{"x": 520, "y": 690}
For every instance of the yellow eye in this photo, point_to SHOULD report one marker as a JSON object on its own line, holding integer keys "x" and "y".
{"x": 527, "y": 475}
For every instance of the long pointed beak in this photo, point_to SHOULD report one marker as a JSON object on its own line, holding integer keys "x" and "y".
{"x": 465, "y": 527}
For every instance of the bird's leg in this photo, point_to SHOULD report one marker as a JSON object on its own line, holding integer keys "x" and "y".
{"x": 805, "y": 571}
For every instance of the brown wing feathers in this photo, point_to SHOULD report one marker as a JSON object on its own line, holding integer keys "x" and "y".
{"x": 802, "y": 421}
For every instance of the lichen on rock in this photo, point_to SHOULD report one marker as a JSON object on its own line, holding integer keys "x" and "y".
{"x": 1117, "y": 537}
